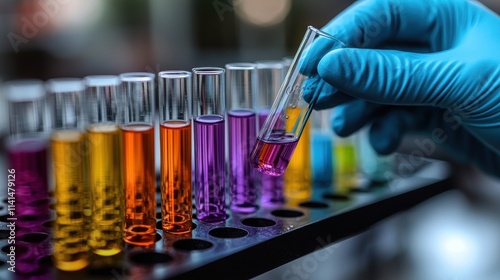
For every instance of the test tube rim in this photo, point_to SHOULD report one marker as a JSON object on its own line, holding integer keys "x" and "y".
{"x": 102, "y": 80}
{"x": 65, "y": 85}
{"x": 137, "y": 77}
{"x": 208, "y": 70}
{"x": 241, "y": 66}
{"x": 324, "y": 34}
{"x": 30, "y": 89}
{"x": 172, "y": 74}
{"x": 269, "y": 64}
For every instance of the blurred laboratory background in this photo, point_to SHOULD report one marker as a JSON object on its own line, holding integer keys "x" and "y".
{"x": 454, "y": 236}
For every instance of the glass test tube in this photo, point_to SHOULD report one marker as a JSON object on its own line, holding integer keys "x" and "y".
{"x": 346, "y": 165}
{"x": 175, "y": 142}
{"x": 270, "y": 74}
{"x": 26, "y": 149}
{"x": 209, "y": 144}
{"x": 27, "y": 173}
{"x": 377, "y": 168}
{"x": 137, "y": 128}
{"x": 322, "y": 148}
{"x": 242, "y": 130}
{"x": 71, "y": 251}
{"x": 274, "y": 147}
{"x": 105, "y": 172}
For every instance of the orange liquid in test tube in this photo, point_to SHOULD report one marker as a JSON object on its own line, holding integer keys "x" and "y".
{"x": 140, "y": 184}
{"x": 176, "y": 176}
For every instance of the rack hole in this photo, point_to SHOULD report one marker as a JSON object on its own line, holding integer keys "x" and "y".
{"x": 34, "y": 237}
{"x": 192, "y": 244}
{"x": 149, "y": 258}
{"x": 314, "y": 204}
{"x": 228, "y": 232}
{"x": 158, "y": 215}
{"x": 258, "y": 222}
{"x": 157, "y": 237}
{"x": 284, "y": 213}
{"x": 49, "y": 224}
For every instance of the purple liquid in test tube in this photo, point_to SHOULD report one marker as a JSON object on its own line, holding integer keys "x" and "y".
{"x": 209, "y": 168}
{"x": 242, "y": 135}
{"x": 28, "y": 159}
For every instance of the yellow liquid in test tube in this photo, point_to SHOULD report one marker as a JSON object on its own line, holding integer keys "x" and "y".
{"x": 297, "y": 177}
{"x": 71, "y": 251}
{"x": 107, "y": 190}
{"x": 345, "y": 167}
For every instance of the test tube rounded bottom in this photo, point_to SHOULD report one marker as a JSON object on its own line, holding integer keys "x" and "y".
{"x": 176, "y": 194}
{"x": 272, "y": 155}
{"x": 140, "y": 184}
{"x": 271, "y": 187}
{"x": 210, "y": 191}
{"x": 106, "y": 185}
{"x": 242, "y": 185}
{"x": 71, "y": 251}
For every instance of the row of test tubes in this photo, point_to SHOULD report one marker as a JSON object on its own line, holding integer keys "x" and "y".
{"x": 93, "y": 139}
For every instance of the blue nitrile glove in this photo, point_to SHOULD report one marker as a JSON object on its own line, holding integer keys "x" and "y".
{"x": 448, "y": 86}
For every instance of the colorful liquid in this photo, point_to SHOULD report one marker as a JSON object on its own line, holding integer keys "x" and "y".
{"x": 271, "y": 187}
{"x": 242, "y": 186}
{"x": 71, "y": 251}
{"x": 176, "y": 194}
{"x": 104, "y": 146}
{"x": 209, "y": 182}
{"x": 271, "y": 157}
{"x": 140, "y": 183}
{"x": 322, "y": 158}
{"x": 345, "y": 168}
{"x": 28, "y": 159}
{"x": 298, "y": 174}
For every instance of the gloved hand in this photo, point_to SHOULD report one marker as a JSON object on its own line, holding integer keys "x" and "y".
{"x": 448, "y": 86}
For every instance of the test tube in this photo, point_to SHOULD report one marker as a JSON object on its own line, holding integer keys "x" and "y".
{"x": 270, "y": 75}
{"x": 105, "y": 161}
{"x": 175, "y": 145}
{"x": 137, "y": 128}
{"x": 377, "y": 168}
{"x": 27, "y": 173}
{"x": 71, "y": 251}
{"x": 346, "y": 165}
{"x": 275, "y": 146}
{"x": 242, "y": 130}
{"x": 322, "y": 148}
{"x": 209, "y": 144}
{"x": 27, "y": 150}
